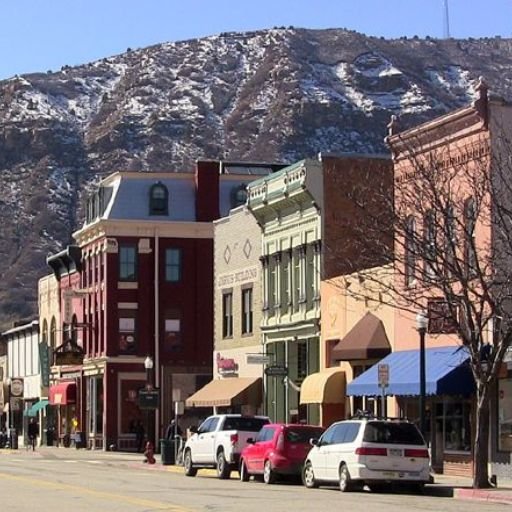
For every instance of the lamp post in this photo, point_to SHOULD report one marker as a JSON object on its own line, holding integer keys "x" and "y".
{"x": 148, "y": 365}
{"x": 421, "y": 326}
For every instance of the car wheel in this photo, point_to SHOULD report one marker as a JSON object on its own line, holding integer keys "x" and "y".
{"x": 308, "y": 476}
{"x": 269, "y": 477}
{"x": 190, "y": 470}
{"x": 345, "y": 481}
{"x": 223, "y": 469}
{"x": 244, "y": 475}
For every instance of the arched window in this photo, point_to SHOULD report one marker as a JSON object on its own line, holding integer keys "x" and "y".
{"x": 429, "y": 242}
{"x": 158, "y": 199}
{"x": 469, "y": 237}
{"x": 53, "y": 339}
{"x": 74, "y": 330}
{"x": 53, "y": 333}
{"x": 410, "y": 250}
{"x": 450, "y": 241}
{"x": 238, "y": 196}
{"x": 45, "y": 332}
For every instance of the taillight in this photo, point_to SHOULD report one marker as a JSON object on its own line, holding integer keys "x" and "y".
{"x": 280, "y": 443}
{"x": 366, "y": 450}
{"x": 233, "y": 438}
{"x": 416, "y": 453}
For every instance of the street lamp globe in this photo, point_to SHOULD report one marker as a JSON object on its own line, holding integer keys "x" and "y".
{"x": 148, "y": 363}
{"x": 421, "y": 321}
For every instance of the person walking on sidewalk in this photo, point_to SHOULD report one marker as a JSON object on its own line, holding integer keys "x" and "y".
{"x": 33, "y": 432}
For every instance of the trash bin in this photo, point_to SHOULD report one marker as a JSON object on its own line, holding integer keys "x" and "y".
{"x": 49, "y": 436}
{"x": 13, "y": 439}
{"x": 167, "y": 451}
{"x": 79, "y": 439}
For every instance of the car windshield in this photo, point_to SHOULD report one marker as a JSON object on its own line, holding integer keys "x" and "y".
{"x": 302, "y": 435}
{"x": 245, "y": 424}
{"x": 392, "y": 433}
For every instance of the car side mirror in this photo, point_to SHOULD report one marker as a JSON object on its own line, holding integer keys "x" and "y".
{"x": 314, "y": 442}
{"x": 250, "y": 441}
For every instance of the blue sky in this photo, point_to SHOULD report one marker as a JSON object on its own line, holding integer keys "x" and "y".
{"x": 38, "y": 35}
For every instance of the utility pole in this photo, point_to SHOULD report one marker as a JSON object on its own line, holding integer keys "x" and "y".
{"x": 446, "y": 19}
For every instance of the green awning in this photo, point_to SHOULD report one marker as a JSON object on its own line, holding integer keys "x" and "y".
{"x": 32, "y": 411}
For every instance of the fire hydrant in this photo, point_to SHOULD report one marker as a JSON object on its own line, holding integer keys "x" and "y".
{"x": 149, "y": 453}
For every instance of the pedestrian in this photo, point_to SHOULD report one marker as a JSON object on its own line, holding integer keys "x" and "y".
{"x": 173, "y": 430}
{"x": 33, "y": 432}
{"x": 140, "y": 433}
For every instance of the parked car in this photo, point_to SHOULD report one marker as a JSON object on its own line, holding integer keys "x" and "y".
{"x": 279, "y": 449}
{"x": 219, "y": 441}
{"x": 370, "y": 451}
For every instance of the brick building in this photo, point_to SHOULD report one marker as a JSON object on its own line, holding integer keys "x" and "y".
{"x": 237, "y": 384}
{"x": 138, "y": 284}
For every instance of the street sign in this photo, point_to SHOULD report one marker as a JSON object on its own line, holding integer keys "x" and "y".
{"x": 258, "y": 358}
{"x": 149, "y": 398}
{"x": 276, "y": 371}
{"x": 383, "y": 371}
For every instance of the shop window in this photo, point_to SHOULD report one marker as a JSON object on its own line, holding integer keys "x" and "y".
{"x": 302, "y": 360}
{"x": 505, "y": 415}
{"x": 158, "y": 200}
{"x": 453, "y": 421}
{"x": 127, "y": 263}
{"x": 130, "y": 412}
{"x": 247, "y": 311}
{"x": 173, "y": 265}
{"x": 127, "y": 332}
{"x": 227, "y": 315}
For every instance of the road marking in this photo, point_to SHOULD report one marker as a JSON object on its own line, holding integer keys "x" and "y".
{"x": 170, "y": 507}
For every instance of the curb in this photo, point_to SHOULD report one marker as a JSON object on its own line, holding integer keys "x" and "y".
{"x": 483, "y": 495}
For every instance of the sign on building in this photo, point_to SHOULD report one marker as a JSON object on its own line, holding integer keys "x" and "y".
{"x": 16, "y": 387}
{"x": 258, "y": 358}
{"x": 44, "y": 363}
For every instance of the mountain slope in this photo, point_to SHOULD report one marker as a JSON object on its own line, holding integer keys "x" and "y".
{"x": 280, "y": 94}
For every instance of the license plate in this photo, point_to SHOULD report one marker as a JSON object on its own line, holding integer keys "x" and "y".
{"x": 389, "y": 473}
{"x": 395, "y": 452}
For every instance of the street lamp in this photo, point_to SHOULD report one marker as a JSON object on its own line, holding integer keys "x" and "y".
{"x": 421, "y": 326}
{"x": 148, "y": 365}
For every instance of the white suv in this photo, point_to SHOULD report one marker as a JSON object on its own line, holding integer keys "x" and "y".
{"x": 368, "y": 451}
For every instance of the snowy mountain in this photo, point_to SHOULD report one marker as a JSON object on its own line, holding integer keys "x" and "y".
{"x": 279, "y": 95}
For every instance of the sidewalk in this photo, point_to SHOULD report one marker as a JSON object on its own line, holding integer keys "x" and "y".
{"x": 445, "y": 485}
{"x": 460, "y": 488}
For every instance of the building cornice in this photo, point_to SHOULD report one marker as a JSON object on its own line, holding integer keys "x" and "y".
{"x": 104, "y": 228}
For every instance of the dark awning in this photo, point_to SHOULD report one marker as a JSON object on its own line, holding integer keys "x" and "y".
{"x": 366, "y": 340}
{"x": 63, "y": 393}
{"x": 447, "y": 372}
{"x": 228, "y": 392}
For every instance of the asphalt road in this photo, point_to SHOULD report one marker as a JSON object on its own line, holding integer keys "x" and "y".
{"x": 94, "y": 482}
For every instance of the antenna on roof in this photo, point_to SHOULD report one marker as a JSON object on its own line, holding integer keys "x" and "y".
{"x": 446, "y": 19}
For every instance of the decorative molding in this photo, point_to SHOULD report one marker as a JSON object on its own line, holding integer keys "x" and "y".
{"x": 144, "y": 246}
{"x": 127, "y": 285}
{"x": 127, "y": 305}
